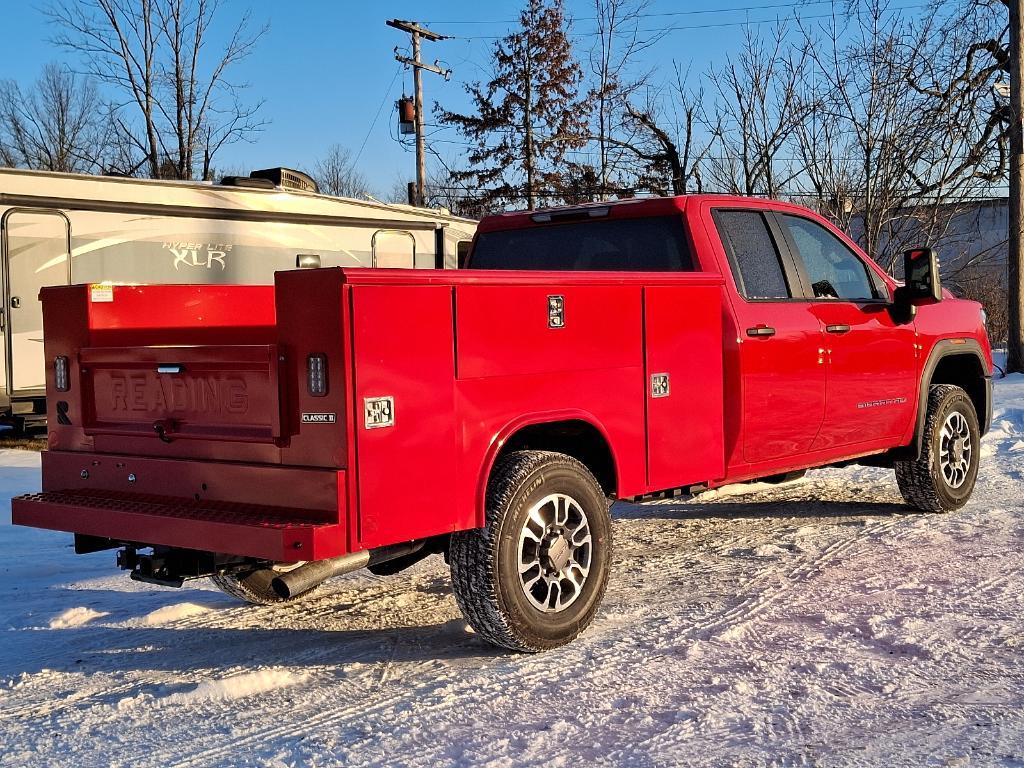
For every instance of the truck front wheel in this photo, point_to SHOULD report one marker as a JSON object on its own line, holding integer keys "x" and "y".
{"x": 943, "y": 478}
{"x": 533, "y": 577}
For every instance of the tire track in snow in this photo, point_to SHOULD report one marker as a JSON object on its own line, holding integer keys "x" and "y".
{"x": 324, "y": 609}
{"x": 33, "y": 710}
{"x": 742, "y": 616}
{"x": 242, "y": 617}
{"x": 750, "y": 608}
{"x": 525, "y": 674}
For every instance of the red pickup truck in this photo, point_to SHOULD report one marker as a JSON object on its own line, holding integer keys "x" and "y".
{"x": 272, "y": 437}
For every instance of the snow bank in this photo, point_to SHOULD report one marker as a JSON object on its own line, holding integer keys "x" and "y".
{"x": 226, "y": 689}
{"x": 170, "y": 613}
{"x": 75, "y": 617}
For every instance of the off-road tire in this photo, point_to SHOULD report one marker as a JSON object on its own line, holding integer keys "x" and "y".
{"x": 254, "y": 587}
{"x": 484, "y": 561}
{"x": 921, "y": 482}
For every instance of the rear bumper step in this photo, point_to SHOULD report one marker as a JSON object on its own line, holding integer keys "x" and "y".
{"x": 251, "y": 530}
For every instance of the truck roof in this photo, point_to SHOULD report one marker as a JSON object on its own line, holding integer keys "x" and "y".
{"x": 637, "y": 207}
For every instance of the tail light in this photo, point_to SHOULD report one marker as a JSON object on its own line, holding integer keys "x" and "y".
{"x": 61, "y": 374}
{"x": 316, "y": 374}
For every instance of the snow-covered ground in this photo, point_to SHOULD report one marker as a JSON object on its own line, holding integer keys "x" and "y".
{"x": 815, "y": 623}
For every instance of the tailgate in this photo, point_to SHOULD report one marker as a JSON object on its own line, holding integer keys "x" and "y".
{"x": 214, "y": 373}
{"x": 208, "y": 392}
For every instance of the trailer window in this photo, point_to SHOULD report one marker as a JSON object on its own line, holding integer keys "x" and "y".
{"x": 756, "y": 264}
{"x": 394, "y": 249}
{"x": 655, "y": 244}
{"x": 462, "y": 251}
{"x": 37, "y": 255}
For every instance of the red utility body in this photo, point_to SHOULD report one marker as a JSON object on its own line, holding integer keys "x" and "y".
{"x": 190, "y": 422}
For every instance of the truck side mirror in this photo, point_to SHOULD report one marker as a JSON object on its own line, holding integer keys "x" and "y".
{"x": 921, "y": 275}
{"x": 921, "y": 284}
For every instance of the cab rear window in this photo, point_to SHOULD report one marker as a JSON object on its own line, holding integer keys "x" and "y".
{"x": 656, "y": 244}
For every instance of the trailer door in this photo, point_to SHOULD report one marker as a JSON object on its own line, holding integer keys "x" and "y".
{"x": 37, "y": 252}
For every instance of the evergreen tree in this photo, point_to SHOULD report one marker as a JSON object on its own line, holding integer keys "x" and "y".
{"x": 529, "y": 115}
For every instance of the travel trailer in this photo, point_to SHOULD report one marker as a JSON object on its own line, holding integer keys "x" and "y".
{"x": 65, "y": 228}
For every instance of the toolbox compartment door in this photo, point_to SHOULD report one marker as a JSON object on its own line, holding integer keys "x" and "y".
{"x": 406, "y": 436}
{"x": 209, "y": 392}
{"x": 684, "y": 380}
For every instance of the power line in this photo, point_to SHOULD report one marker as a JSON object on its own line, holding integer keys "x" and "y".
{"x": 661, "y": 14}
{"x": 387, "y": 92}
{"x": 713, "y": 25}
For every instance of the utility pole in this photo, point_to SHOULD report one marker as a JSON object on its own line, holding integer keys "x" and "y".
{"x": 1015, "y": 340}
{"x": 418, "y": 32}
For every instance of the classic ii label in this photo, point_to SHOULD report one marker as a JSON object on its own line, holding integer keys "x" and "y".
{"x": 319, "y": 418}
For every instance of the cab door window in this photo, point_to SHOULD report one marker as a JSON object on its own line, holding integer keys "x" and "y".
{"x": 756, "y": 263}
{"x": 833, "y": 270}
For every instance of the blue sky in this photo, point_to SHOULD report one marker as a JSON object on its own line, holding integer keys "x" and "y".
{"x": 324, "y": 68}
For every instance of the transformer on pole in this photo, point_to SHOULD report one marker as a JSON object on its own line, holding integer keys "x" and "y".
{"x": 417, "y": 33}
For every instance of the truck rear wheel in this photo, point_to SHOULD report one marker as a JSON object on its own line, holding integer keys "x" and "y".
{"x": 254, "y": 586}
{"x": 943, "y": 478}
{"x": 533, "y": 577}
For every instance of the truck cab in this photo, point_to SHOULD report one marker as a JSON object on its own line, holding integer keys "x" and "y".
{"x": 823, "y": 360}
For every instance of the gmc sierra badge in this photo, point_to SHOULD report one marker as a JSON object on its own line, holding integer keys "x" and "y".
{"x": 378, "y": 412}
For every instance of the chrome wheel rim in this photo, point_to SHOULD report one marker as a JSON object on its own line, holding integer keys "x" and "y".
{"x": 555, "y": 553}
{"x": 955, "y": 450}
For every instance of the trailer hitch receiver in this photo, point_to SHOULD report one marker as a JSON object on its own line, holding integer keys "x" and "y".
{"x": 169, "y": 567}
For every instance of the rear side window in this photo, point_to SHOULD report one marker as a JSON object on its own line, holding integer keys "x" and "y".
{"x": 656, "y": 244}
{"x": 835, "y": 272}
{"x": 756, "y": 264}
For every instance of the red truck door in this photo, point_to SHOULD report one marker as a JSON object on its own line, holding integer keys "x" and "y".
{"x": 872, "y": 364}
{"x": 780, "y": 340}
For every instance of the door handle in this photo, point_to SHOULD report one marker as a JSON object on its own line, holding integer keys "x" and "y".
{"x": 837, "y": 328}
{"x": 760, "y": 331}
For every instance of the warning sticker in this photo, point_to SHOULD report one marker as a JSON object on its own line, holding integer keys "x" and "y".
{"x": 101, "y": 293}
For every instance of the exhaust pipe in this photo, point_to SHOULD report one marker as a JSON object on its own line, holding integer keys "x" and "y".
{"x": 305, "y": 577}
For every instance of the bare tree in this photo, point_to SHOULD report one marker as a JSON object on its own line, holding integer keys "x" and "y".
{"x": 662, "y": 134}
{"x": 179, "y": 108}
{"x": 618, "y": 41}
{"x": 732, "y": 144}
{"x": 446, "y": 189}
{"x": 335, "y": 174}
{"x": 988, "y": 287}
{"x": 756, "y": 113}
{"x": 58, "y": 125}
{"x": 897, "y": 140}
